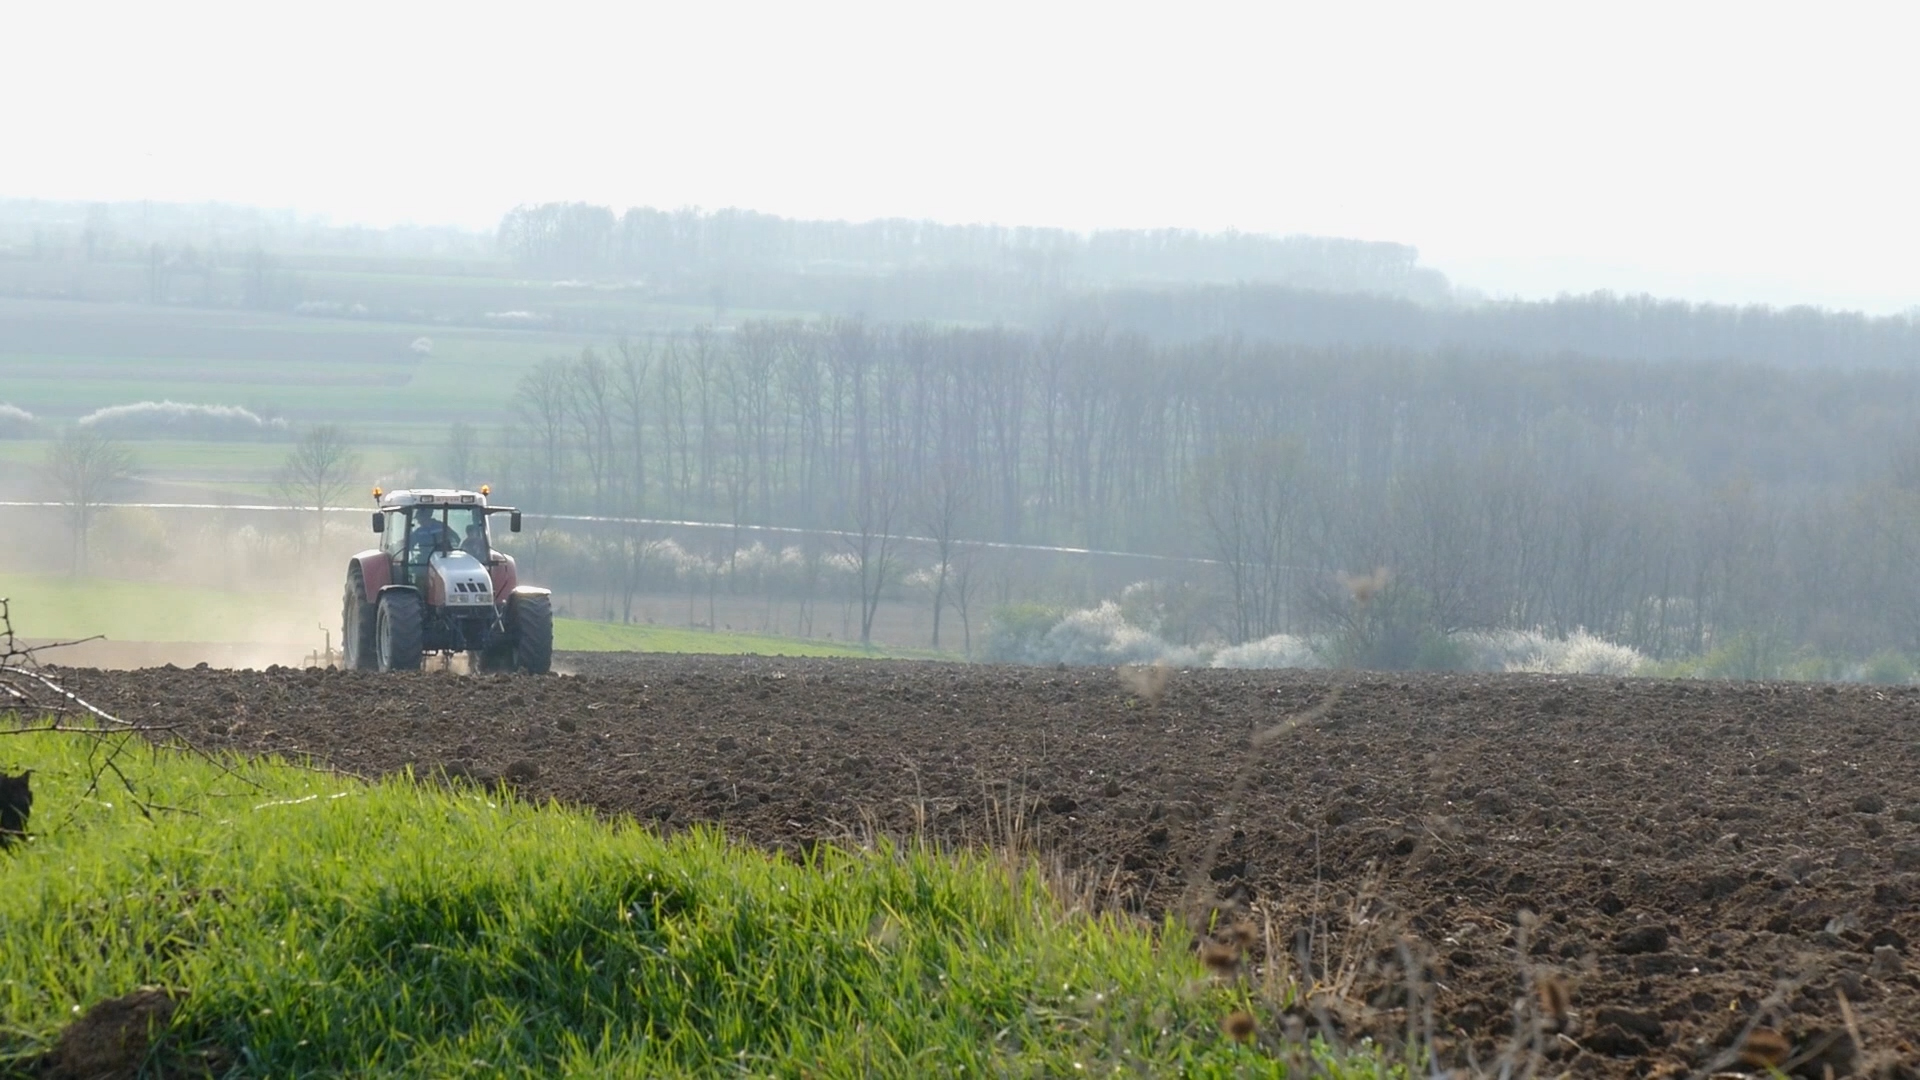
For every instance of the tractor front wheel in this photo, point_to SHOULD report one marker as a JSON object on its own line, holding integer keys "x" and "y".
{"x": 357, "y": 643}
{"x": 531, "y": 618}
{"x": 398, "y": 631}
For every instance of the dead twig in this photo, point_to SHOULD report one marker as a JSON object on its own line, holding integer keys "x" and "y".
{"x": 55, "y": 725}
{"x": 27, "y": 689}
{"x": 63, "y": 694}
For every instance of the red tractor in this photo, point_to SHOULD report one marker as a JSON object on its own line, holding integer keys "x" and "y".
{"x": 435, "y": 585}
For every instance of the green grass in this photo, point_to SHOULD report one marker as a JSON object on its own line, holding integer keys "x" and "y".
{"x": 588, "y": 636}
{"x": 65, "y": 359}
{"x": 318, "y": 924}
{"x": 60, "y": 607}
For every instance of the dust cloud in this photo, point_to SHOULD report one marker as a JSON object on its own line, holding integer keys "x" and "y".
{"x": 229, "y": 589}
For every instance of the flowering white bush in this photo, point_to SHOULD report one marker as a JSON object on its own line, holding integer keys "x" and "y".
{"x": 330, "y": 307}
{"x": 1579, "y": 653}
{"x": 1585, "y": 654}
{"x": 1102, "y": 635}
{"x": 15, "y": 422}
{"x": 179, "y": 420}
{"x": 1278, "y": 651}
{"x": 1092, "y": 636}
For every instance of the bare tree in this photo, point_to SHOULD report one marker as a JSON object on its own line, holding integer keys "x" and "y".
{"x": 944, "y": 505}
{"x": 1249, "y": 499}
{"x": 462, "y": 449}
{"x": 637, "y": 550}
{"x": 542, "y": 401}
{"x": 590, "y": 405}
{"x": 630, "y": 391}
{"x": 702, "y": 360}
{"x": 964, "y": 575}
{"x": 318, "y": 471}
{"x": 872, "y": 543}
{"x": 84, "y": 469}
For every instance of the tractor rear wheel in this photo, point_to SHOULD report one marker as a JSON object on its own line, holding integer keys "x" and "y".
{"x": 357, "y": 626}
{"x": 531, "y": 618}
{"x": 398, "y": 630}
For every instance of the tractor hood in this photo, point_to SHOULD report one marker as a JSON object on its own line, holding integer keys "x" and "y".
{"x": 459, "y": 581}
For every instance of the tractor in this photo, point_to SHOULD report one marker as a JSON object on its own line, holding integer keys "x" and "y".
{"x": 435, "y": 585}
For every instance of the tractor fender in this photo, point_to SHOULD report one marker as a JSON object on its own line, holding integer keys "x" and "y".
{"x": 530, "y": 590}
{"x": 376, "y": 572}
{"x": 385, "y": 589}
{"x": 505, "y": 574}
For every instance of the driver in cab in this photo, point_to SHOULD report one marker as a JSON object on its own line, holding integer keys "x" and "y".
{"x": 430, "y": 534}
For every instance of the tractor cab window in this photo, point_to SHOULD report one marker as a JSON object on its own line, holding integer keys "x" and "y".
{"x": 473, "y": 533}
{"x": 427, "y": 533}
{"x": 393, "y": 539}
{"x": 444, "y": 529}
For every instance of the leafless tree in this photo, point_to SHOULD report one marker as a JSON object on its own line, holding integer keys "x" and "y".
{"x": 702, "y": 360}
{"x": 590, "y": 406}
{"x": 876, "y": 509}
{"x": 1250, "y": 494}
{"x": 944, "y": 505}
{"x": 637, "y": 549}
{"x": 85, "y": 469}
{"x": 965, "y": 572}
{"x": 318, "y": 472}
{"x": 461, "y": 452}
{"x": 631, "y": 398}
{"x": 542, "y": 404}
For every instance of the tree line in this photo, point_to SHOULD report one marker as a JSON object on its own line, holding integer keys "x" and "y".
{"x": 584, "y": 240}
{"x": 1599, "y": 324}
{"x": 1387, "y": 494}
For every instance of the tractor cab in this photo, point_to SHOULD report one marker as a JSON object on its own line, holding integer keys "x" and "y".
{"x": 423, "y": 528}
{"x": 420, "y": 536}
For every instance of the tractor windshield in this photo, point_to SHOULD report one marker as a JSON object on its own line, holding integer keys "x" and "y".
{"x": 447, "y": 529}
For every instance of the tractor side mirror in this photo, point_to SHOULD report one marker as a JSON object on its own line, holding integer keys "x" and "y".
{"x": 513, "y": 522}
{"x": 379, "y": 522}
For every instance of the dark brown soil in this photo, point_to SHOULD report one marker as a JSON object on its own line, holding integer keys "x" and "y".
{"x": 1686, "y": 862}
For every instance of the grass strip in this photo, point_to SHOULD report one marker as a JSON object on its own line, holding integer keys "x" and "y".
{"x": 583, "y": 635}
{"x": 48, "y": 606}
{"x": 316, "y": 923}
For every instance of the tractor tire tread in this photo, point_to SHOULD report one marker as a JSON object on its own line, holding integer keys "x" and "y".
{"x": 401, "y": 611}
{"x": 357, "y": 627}
{"x": 532, "y": 624}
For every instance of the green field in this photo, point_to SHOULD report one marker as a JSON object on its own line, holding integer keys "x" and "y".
{"x": 62, "y": 359}
{"x": 59, "y": 607}
{"x": 588, "y": 636}
{"x": 67, "y": 608}
{"x": 307, "y": 923}
{"x": 66, "y": 359}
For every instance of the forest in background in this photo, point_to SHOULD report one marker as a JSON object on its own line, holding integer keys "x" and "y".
{"x": 1342, "y": 444}
{"x": 1672, "y": 507}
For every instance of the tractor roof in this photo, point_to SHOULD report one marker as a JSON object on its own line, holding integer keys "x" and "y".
{"x": 398, "y": 500}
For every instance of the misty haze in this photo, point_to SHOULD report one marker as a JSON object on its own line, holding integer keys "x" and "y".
{"x": 1005, "y": 443}
{"x": 1270, "y": 541}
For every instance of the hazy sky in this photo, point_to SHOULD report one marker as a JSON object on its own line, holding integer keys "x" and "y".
{"x": 1732, "y": 151}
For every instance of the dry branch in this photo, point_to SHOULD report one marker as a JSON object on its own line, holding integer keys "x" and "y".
{"x": 31, "y": 694}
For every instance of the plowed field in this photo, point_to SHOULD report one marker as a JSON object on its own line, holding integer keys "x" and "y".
{"x": 1689, "y": 860}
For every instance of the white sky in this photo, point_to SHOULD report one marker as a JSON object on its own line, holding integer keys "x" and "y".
{"x": 1729, "y": 151}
